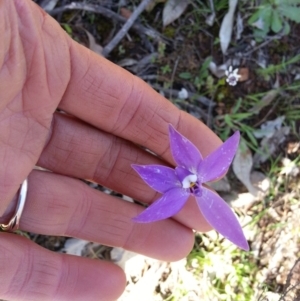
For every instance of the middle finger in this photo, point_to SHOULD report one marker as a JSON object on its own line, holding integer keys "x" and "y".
{"x": 81, "y": 151}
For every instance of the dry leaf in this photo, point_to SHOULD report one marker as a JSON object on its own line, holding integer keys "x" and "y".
{"x": 127, "y": 62}
{"x": 268, "y": 129}
{"x": 239, "y": 26}
{"x": 153, "y": 3}
{"x": 241, "y": 200}
{"x": 259, "y": 24}
{"x": 48, "y": 5}
{"x": 242, "y": 166}
{"x": 265, "y": 101}
{"x": 244, "y": 73}
{"x": 261, "y": 182}
{"x": 121, "y": 257}
{"x": 261, "y": 58}
{"x": 293, "y": 147}
{"x": 226, "y": 26}
{"x": 290, "y": 168}
{"x": 221, "y": 185}
{"x": 269, "y": 145}
{"x": 173, "y": 10}
{"x": 126, "y": 13}
{"x": 245, "y": 200}
{"x": 142, "y": 273}
{"x": 75, "y": 246}
{"x": 146, "y": 285}
{"x": 211, "y": 18}
{"x": 92, "y": 43}
{"x": 217, "y": 71}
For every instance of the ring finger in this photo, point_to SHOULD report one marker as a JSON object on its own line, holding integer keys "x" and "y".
{"x": 59, "y": 205}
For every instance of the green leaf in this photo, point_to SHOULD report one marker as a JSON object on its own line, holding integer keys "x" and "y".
{"x": 276, "y": 24}
{"x": 288, "y": 2}
{"x": 237, "y": 106}
{"x": 206, "y": 63}
{"x": 262, "y": 18}
{"x": 286, "y": 28}
{"x": 185, "y": 75}
{"x": 267, "y": 17}
{"x": 259, "y": 34}
{"x": 251, "y": 137}
{"x": 67, "y": 28}
{"x": 203, "y": 73}
{"x": 228, "y": 121}
{"x": 221, "y": 5}
{"x": 290, "y": 12}
{"x": 254, "y": 17}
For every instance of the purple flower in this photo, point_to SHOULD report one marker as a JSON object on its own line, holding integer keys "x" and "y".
{"x": 187, "y": 179}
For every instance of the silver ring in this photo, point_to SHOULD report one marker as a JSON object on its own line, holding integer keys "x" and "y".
{"x": 13, "y": 224}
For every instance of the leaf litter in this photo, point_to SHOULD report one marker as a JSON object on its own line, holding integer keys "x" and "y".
{"x": 227, "y": 26}
{"x": 173, "y": 9}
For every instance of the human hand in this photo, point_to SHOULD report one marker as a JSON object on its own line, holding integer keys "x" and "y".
{"x": 110, "y": 113}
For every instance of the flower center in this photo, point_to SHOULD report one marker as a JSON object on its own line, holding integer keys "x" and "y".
{"x": 189, "y": 181}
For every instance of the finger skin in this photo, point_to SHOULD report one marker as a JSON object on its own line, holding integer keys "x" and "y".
{"x": 112, "y": 99}
{"x": 31, "y": 273}
{"x": 69, "y": 207}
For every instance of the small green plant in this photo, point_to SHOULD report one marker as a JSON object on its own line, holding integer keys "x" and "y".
{"x": 67, "y": 28}
{"x": 121, "y": 50}
{"x": 161, "y": 49}
{"x": 203, "y": 73}
{"x": 274, "y": 15}
{"x": 237, "y": 120}
{"x": 226, "y": 273}
{"x": 165, "y": 69}
{"x": 271, "y": 70}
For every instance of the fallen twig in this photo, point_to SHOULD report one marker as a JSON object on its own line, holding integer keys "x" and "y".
{"x": 173, "y": 72}
{"x": 48, "y": 4}
{"x": 263, "y": 44}
{"x": 122, "y": 32}
{"x": 107, "y": 13}
{"x": 174, "y": 93}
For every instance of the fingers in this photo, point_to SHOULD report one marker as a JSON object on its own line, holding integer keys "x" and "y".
{"x": 81, "y": 151}
{"x": 59, "y": 205}
{"x": 117, "y": 102}
{"x": 31, "y": 273}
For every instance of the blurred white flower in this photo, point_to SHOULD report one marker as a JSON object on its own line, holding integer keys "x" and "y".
{"x": 183, "y": 94}
{"x": 232, "y": 76}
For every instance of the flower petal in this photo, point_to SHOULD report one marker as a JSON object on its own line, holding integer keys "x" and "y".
{"x": 184, "y": 152}
{"x": 160, "y": 178}
{"x": 166, "y": 206}
{"x": 220, "y": 216}
{"x": 182, "y": 173}
{"x": 216, "y": 164}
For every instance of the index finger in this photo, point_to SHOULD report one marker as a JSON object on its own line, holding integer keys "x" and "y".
{"x": 114, "y": 100}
